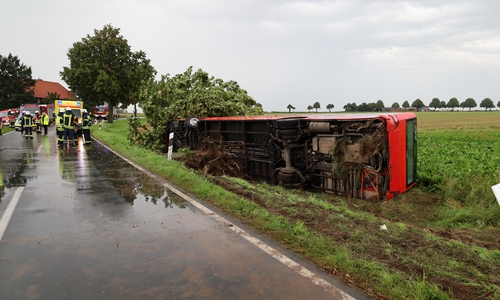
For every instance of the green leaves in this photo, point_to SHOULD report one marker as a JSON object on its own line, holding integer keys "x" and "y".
{"x": 103, "y": 69}
{"x": 190, "y": 94}
{"x": 16, "y": 84}
{"x": 469, "y": 159}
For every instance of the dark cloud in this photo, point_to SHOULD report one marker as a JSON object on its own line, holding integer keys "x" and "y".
{"x": 284, "y": 52}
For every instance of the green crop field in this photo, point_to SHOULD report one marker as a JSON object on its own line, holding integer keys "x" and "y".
{"x": 459, "y": 155}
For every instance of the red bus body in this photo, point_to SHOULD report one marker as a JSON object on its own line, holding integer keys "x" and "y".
{"x": 365, "y": 156}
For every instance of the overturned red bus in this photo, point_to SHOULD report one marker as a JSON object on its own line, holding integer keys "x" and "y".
{"x": 366, "y": 156}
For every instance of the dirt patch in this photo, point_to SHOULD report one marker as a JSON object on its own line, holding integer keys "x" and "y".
{"x": 212, "y": 158}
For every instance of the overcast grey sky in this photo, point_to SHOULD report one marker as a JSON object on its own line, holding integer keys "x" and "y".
{"x": 283, "y": 52}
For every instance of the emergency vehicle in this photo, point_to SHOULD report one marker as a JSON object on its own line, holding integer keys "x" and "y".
{"x": 102, "y": 111}
{"x": 4, "y": 116}
{"x": 41, "y": 108}
{"x": 76, "y": 107}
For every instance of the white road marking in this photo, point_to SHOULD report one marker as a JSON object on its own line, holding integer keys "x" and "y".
{"x": 4, "y": 221}
{"x": 338, "y": 293}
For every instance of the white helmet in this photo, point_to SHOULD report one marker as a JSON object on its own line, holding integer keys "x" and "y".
{"x": 84, "y": 110}
{"x": 68, "y": 109}
{"x": 27, "y": 113}
{"x": 37, "y": 112}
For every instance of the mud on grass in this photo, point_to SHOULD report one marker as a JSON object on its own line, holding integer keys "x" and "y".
{"x": 463, "y": 263}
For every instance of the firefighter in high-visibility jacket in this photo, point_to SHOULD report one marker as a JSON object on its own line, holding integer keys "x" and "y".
{"x": 28, "y": 125}
{"x": 60, "y": 127}
{"x": 38, "y": 122}
{"x": 69, "y": 122}
{"x": 86, "y": 123}
{"x": 45, "y": 121}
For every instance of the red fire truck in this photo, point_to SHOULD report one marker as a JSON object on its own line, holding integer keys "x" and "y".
{"x": 101, "y": 112}
{"x": 365, "y": 156}
{"x": 41, "y": 108}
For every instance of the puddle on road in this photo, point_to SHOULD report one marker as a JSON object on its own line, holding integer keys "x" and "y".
{"x": 91, "y": 169}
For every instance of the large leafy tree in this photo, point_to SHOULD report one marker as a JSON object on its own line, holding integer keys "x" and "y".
{"x": 406, "y": 104}
{"x": 51, "y": 97}
{"x": 16, "y": 84}
{"x": 469, "y": 102}
{"x": 453, "y": 103}
{"x": 364, "y": 107}
{"x": 487, "y": 103}
{"x": 435, "y": 103}
{"x": 380, "y": 105}
{"x": 350, "y": 106}
{"x": 316, "y": 106}
{"x": 188, "y": 94}
{"x": 418, "y": 104}
{"x": 395, "y": 105}
{"x": 290, "y": 107}
{"x": 103, "y": 69}
{"x": 330, "y": 107}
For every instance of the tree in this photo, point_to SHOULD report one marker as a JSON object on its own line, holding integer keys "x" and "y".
{"x": 498, "y": 104}
{"x": 316, "y": 106}
{"x": 406, "y": 104}
{"x": 290, "y": 107}
{"x": 380, "y": 105}
{"x": 330, "y": 107}
{"x": 469, "y": 102}
{"x": 453, "y": 103}
{"x": 418, "y": 104}
{"x": 141, "y": 72}
{"x": 16, "y": 84}
{"x": 51, "y": 98}
{"x": 487, "y": 103}
{"x": 188, "y": 94}
{"x": 363, "y": 107}
{"x": 435, "y": 103}
{"x": 395, "y": 105}
{"x": 350, "y": 106}
{"x": 309, "y": 107}
{"x": 103, "y": 69}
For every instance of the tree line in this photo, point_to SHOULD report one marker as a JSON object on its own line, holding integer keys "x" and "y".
{"x": 418, "y": 104}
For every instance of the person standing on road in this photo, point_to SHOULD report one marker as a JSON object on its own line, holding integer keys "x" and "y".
{"x": 37, "y": 120}
{"x": 27, "y": 122}
{"x": 86, "y": 123}
{"x": 44, "y": 119}
{"x": 60, "y": 127}
{"x": 12, "y": 119}
{"x": 69, "y": 127}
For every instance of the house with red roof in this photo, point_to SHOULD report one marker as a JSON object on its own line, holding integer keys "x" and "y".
{"x": 43, "y": 88}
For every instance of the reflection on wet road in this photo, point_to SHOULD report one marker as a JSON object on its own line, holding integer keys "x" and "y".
{"x": 90, "y": 226}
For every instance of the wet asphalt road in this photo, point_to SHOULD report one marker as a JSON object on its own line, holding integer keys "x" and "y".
{"x": 84, "y": 230}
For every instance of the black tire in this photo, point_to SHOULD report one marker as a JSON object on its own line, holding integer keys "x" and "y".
{"x": 288, "y": 178}
{"x": 191, "y": 122}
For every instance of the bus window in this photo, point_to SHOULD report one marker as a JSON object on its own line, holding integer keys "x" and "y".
{"x": 411, "y": 151}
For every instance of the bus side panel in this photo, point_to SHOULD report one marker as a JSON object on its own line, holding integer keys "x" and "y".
{"x": 397, "y": 160}
{"x": 402, "y": 160}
